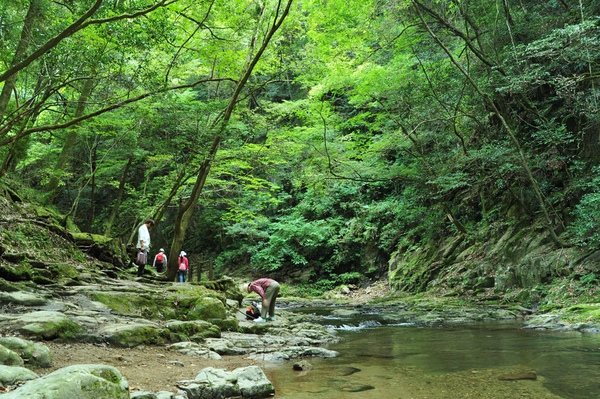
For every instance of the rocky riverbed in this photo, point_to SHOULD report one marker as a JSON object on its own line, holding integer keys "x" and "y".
{"x": 152, "y": 353}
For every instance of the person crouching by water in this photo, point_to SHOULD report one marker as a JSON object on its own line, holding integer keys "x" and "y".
{"x": 267, "y": 289}
{"x": 183, "y": 267}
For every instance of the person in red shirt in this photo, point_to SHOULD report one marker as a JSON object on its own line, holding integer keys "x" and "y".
{"x": 267, "y": 289}
{"x": 183, "y": 267}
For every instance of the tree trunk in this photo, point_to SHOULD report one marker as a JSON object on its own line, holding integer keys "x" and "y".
{"x": 91, "y": 210}
{"x": 65, "y": 153}
{"x": 117, "y": 203}
{"x": 33, "y": 13}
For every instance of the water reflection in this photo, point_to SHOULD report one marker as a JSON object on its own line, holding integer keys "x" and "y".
{"x": 381, "y": 361}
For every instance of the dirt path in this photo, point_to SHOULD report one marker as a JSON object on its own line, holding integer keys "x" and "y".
{"x": 148, "y": 368}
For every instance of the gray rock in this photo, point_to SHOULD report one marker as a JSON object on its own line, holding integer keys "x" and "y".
{"x": 22, "y": 298}
{"x": 293, "y": 352}
{"x": 302, "y": 365}
{"x": 246, "y": 382}
{"x": 143, "y": 395}
{"x": 10, "y": 375}
{"x": 34, "y": 353}
{"x": 253, "y": 382}
{"x": 194, "y": 349}
{"x": 85, "y": 381}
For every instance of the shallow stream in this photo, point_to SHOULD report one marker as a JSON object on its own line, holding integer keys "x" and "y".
{"x": 477, "y": 360}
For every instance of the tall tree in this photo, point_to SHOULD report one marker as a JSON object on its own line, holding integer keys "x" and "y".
{"x": 272, "y": 18}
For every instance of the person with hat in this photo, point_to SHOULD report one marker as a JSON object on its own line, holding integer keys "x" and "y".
{"x": 160, "y": 261}
{"x": 183, "y": 267}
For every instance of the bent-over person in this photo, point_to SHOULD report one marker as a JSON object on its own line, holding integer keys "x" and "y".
{"x": 268, "y": 290}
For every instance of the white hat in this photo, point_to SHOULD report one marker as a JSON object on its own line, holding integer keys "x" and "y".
{"x": 182, "y": 253}
{"x": 161, "y": 250}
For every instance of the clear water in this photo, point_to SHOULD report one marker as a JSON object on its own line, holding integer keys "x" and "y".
{"x": 410, "y": 362}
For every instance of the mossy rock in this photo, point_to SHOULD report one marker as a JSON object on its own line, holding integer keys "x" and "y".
{"x": 230, "y": 324}
{"x": 126, "y": 303}
{"x": 207, "y": 308}
{"x": 6, "y": 286}
{"x": 132, "y": 335}
{"x": 179, "y": 304}
{"x": 103, "y": 248}
{"x": 17, "y": 273}
{"x": 81, "y": 381}
{"x": 194, "y": 330}
{"x": 36, "y": 354}
{"x": 9, "y": 357}
{"x": 228, "y": 287}
{"x": 66, "y": 330}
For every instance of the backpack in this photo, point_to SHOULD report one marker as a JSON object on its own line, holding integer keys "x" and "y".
{"x": 182, "y": 265}
{"x": 252, "y": 312}
{"x": 159, "y": 257}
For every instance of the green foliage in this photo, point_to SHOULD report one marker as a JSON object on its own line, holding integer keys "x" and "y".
{"x": 355, "y": 138}
{"x": 584, "y": 228}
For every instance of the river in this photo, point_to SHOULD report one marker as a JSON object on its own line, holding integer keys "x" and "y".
{"x": 478, "y": 360}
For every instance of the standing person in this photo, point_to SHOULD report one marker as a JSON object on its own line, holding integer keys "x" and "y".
{"x": 267, "y": 289}
{"x": 183, "y": 267}
{"x": 160, "y": 261}
{"x": 143, "y": 244}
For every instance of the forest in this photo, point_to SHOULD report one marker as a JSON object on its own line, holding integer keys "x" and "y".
{"x": 308, "y": 140}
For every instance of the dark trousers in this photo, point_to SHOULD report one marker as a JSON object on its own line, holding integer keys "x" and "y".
{"x": 142, "y": 265}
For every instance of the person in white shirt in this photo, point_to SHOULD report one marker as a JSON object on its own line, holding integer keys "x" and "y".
{"x": 143, "y": 244}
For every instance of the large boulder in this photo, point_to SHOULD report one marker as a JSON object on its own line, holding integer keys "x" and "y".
{"x": 228, "y": 286}
{"x": 83, "y": 381}
{"x": 245, "y": 382}
{"x": 34, "y": 353}
{"x": 207, "y": 308}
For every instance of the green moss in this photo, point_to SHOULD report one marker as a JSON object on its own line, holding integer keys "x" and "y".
{"x": 108, "y": 375}
{"x": 136, "y": 304}
{"x": 589, "y": 312}
{"x": 138, "y": 335}
{"x": 230, "y": 324}
{"x": 64, "y": 271}
{"x": 5, "y": 286}
{"x": 62, "y": 329}
{"x": 207, "y": 308}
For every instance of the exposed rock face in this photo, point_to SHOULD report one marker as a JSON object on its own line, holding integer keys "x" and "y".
{"x": 519, "y": 257}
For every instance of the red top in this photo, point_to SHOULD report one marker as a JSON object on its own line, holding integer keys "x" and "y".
{"x": 260, "y": 286}
{"x": 184, "y": 260}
